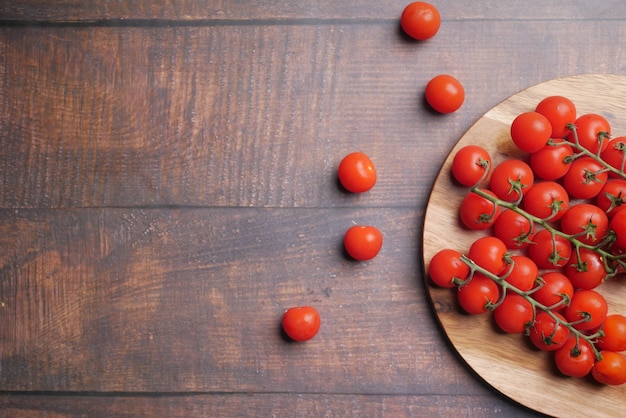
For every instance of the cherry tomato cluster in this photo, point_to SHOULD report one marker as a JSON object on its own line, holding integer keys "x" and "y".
{"x": 556, "y": 230}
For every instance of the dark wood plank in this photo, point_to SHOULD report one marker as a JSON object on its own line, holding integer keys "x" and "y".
{"x": 121, "y": 300}
{"x": 178, "y": 121}
{"x": 199, "y": 10}
{"x": 255, "y": 404}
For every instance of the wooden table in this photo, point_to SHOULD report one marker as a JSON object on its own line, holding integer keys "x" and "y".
{"x": 168, "y": 188}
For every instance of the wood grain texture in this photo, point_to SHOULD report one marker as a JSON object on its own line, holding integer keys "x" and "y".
{"x": 509, "y": 364}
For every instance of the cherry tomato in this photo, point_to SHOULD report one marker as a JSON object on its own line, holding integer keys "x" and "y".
{"x": 357, "y": 173}
{"x": 555, "y": 291}
{"x": 445, "y": 93}
{"x": 478, "y": 295}
{"x": 615, "y": 153}
{"x": 587, "y": 309}
{"x": 612, "y": 197}
{"x": 511, "y": 179}
{"x": 618, "y": 225}
{"x": 546, "y": 200}
{"x": 471, "y": 164}
{"x": 446, "y": 267}
{"x": 477, "y": 212}
{"x": 514, "y": 315}
{"x": 547, "y": 334}
{"x": 614, "y": 338}
{"x": 593, "y": 132}
{"x": 489, "y": 253}
{"x": 560, "y": 111}
{"x": 513, "y": 229}
{"x": 611, "y": 370}
{"x": 587, "y": 222}
{"x": 585, "y": 271}
{"x": 575, "y": 358}
{"x": 548, "y": 251}
{"x": 530, "y": 131}
{"x": 523, "y": 274}
{"x": 585, "y": 178}
{"x": 363, "y": 242}
{"x": 301, "y": 323}
{"x": 420, "y": 20}
{"x": 552, "y": 161}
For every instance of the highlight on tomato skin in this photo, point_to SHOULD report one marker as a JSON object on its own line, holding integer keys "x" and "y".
{"x": 363, "y": 242}
{"x": 444, "y": 93}
{"x": 356, "y": 172}
{"x": 420, "y": 20}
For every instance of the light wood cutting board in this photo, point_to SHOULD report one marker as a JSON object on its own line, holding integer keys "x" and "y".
{"x": 508, "y": 362}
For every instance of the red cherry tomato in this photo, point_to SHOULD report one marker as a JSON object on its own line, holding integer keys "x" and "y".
{"x": 470, "y": 165}
{"x": 477, "y": 212}
{"x": 420, "y": 20}
{"x": 618, "y": 225}
{"x": 592, "y": 132}
{"x": 523, "y": 274}
{"x": 560, "y": 111}
{"x": 511, "y": 179}
{"x": 548, "y": 251}
{"x": 587, "y": 310}
{"x": 478, "y": 295}
{"x": 611, "y": 370}
{"x": 530, "y": 131}
{"x": 363, "y": 242}
{"x": 585, "y": 178}
{"x": 446, "y": 267}
{"x": 615, "y": 153}
{"x": 585, "y": 269}
{"x": 445, "y": 93}
{"x": 514, "y": 314}
{"x": 614, "y": 338}
{"x": 513, "y": 229}
{"x": 357, "y": 173}
{"x": 547, "y": 334}
{"x": 489, "y": 253}
{"x": 555, "y": 290}
{"x": 587, "y": 222}
{"x": 552, "y": 161}
{"x": 301, "y": 323}
{"x": 575, "y": 358}
{"x": 612, "y": 197}
{"x": 546, "y": 200}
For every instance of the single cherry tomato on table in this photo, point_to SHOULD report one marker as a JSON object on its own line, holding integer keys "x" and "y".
{"x": 363, "y": 242}
{"x": 591, "y": 132}
{"x": 420, "y": 20}
{"x": 301, "y": 323}
{"x": 530, "y": 131}
{"x": 471, "y": 164}
{"x": 560, "y": 112}
{"x": 611, "y": 370}
{"x": 356, "y": 172}
{"x": 446, "y": 266}
{"x": 445, "y": 94}
{"x": 511, "y": 179}
{"x": 575, "y": 358}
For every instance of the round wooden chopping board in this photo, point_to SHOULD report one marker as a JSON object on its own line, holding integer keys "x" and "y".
{"x": 508, "y": 362}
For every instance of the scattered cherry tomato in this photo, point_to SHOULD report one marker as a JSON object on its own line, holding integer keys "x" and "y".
{"x": 560, "y": 112}
{"x": 357, "y": 173}
{"x": 445, "y": 94}
{"x": 511, "y": 179}
{"x": 575, "y": 358}
{"x": 363, "y": 242}
{"x": 446, "y": 267}
{"x": 611, "y": 370}
{"x": 530, "y": 131}
{"x": 471, "y": 164}
{"x": 478, "y": 295}
{"x": 301, "y": 323}
{"x": 592, "y": 132}
{"x": 420, "y": 20}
